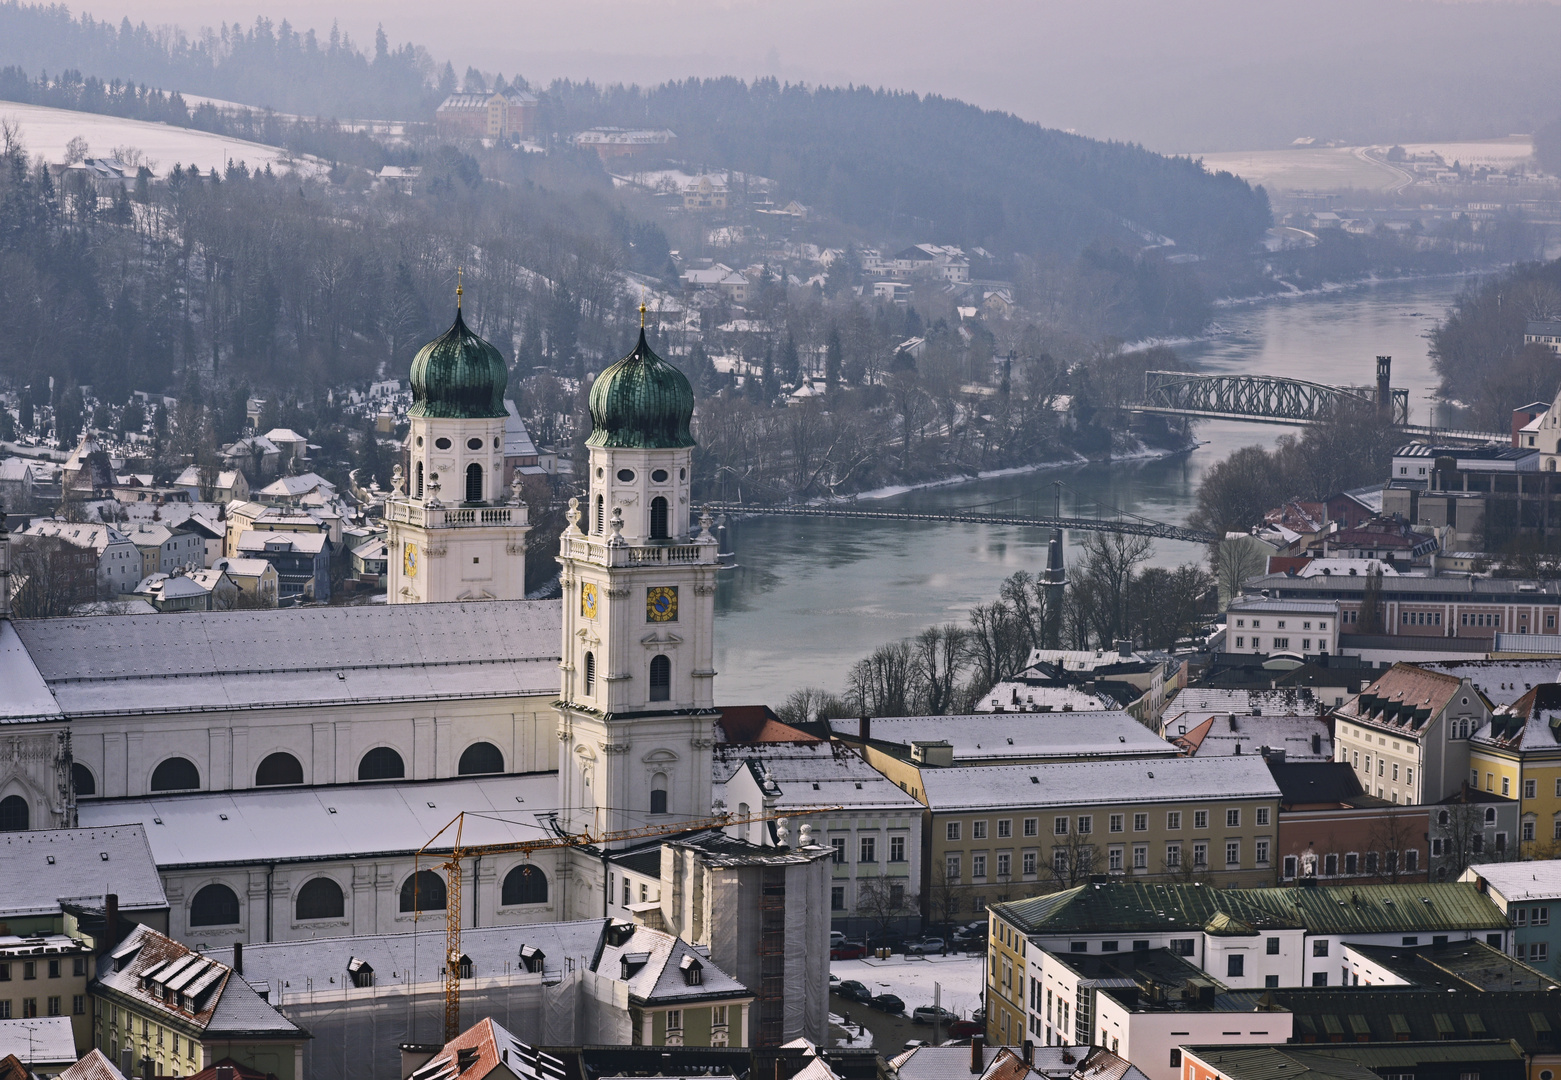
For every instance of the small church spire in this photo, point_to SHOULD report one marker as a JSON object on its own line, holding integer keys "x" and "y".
{"x": 642, "y": 313}
{"x": 458, "y": 289}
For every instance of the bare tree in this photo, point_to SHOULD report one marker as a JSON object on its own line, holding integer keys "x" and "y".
{"x": 1072, "y": 859}
{"x": 1235, "y": 560}
{"x": 940, "y": 655}
{"x": 884, "y": 901}
{"x": 51, "y": 576}
{"x": 1392, "y": 835}
{"x": 945, "y": 895}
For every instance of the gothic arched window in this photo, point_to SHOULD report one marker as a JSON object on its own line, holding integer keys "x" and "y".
{"x": 590, "y": 673}
{"x": 474, "y": 482}
{"x": 658, "y": 518}
{"x": 658, "y": 793}
{"x": 660, "y": 679}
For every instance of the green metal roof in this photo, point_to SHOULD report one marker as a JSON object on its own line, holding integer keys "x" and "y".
{"x": 1345, "y": 909}
{"x": 1385, "y": 1015}
{"x": 641, "y": 403}
{"x": 458, "y": 376}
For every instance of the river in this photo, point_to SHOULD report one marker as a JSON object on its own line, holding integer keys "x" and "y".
{"x": 809, "y": 597}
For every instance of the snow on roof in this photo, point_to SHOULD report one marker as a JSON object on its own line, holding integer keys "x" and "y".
{"x": 1090, "y": 783}
{"x": 1022, "y": 697}
{"x": 79, "y": 533}
{"x": 282, "y": 435}
{"x": 41, "y": 1040}
{"x": 812, "y": 774}
{"x": 242, "y": 567}
{"x": 1539, "y": 880}
{"x": 1334, "y": 565}
{"x": 1230, "y": 735}
{"x": 1197, "y": 703}
{"x": 350, "y": 820}
{"x": 293, "y": 486}
{"x": 1027, "y": 735}
{"x": 517, "y": 440}
{"x": 27, "y": 695}
{"x": 306, "y": 543}
{"x": 216, "y": 661}
{"x": 41, "y": 869}
{"x": 660, "y": 976}
{"x": 493, "y": 950}
{"x": 95, "y": 1066}
{"x": 1501, "y": 681}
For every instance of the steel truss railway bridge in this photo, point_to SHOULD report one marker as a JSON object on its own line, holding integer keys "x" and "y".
{"x": 1268, "y": 399}
{"x": 1118, "y": 521}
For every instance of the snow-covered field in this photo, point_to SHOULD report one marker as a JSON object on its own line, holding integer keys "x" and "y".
{"x": 1330, "y": 167}
{"x": 911, "y": 978}
{"x": 45, "y": 133}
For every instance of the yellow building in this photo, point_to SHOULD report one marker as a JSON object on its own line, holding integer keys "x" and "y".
{"x": 160, "y": 1000}
{"x": 1518, "y": 755}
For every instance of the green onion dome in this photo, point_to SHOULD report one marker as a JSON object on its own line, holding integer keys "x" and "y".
{"x": 458, "y": 376}
{"x": 641, "y": 403}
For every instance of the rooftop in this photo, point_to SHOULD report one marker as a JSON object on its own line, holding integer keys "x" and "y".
{"x": 45, "y": 868}
{"x": 234, "y": 660}
{"x": 1020, "y": 696}
{"x": 1501, "y": 681}
{"x": 1094, "y": 783}
{"x": 1368, "y": 909}
{"x": 1517, "y": 881}
{"x": 284, "y": 824}
{"x": 485, "y": 1047}
{"x": 1456, "y": 965}
{"x": 1404, "y": 698}
{"x": 998, "y": 736}
{"x": 811, "y": 774}
{"x": 1529, "y": 1018}
{"x": 40, "y": 1040}
{"x": 1352, "y": 1062}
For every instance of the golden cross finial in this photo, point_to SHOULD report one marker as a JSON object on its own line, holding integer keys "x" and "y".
{"x": 642, "y": 314}
{"x": 458, "y": 289}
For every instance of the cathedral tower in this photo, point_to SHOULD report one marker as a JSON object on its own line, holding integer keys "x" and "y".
{"x": 636, "y": 715}
{"x": 454, "y": 534}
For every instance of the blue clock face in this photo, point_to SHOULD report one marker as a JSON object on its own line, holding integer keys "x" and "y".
{"x": 661, "y": 603}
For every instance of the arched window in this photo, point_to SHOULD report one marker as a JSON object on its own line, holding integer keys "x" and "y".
{"x": 176, "y": 774}
{"x": 658, "y": 518}
{"x": 658, "y": 793}
{"x": 278, "y": 769}
{"x": 474, "y": 482}
{"x": 419, "y": 480}
{"x": 601, "y": 515}
{"x": 14, "y": 814}
{"x": 215, "y": 905}
{"x": 590, "y": 673}
{"x": 423, "y": 891}
{"x": 320, "y": 898}
{"x": 660, "y": 679}
{"x": 381, "y": 763}
{"x": 524, "y": 885}
{"x": 482, "y": 757}
{"x": 86, "y": 783}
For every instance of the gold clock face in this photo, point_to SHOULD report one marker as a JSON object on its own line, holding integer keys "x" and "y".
{"x": 409, "y": 560}
{"x": 661, "y": 603}
{"x": 588, "y": 599}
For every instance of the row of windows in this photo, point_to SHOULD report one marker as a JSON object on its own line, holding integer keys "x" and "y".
{"x": 660, "y": 677}
{"x": 1279, "y": 643}
{"x": 53, "y": 1006}
{"x": 280, "y": 770}
{"x": 1084, "y": 825}
{"x": 867, "y": 849}
{"x": 1382, "y": 764}
{"x": 1078, "y": 861}
{"x": 52, "y": 969}
{"x": 1257, "y": 624}
{"x": 322, "y": 897}
{"x": 659, "y": 521}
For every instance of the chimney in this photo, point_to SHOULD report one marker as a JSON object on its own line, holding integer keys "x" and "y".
{"x": 977, "y": 1058}
{"x": 1125, "y": 648}
{"x": 1029, "y": 1052}
{"x": 238, "y": 958}
{"x": 226, "y": 1072}
{"x": 111, "y": 920}
{"x": 865, "y": 727}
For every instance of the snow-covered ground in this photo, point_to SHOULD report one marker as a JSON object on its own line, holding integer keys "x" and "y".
{"x": 46, "y": 131}
{"x": 911, "y": 978}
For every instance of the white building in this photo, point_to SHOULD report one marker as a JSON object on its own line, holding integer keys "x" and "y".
{"x": 1257, "y": 624}
{"x": 119, "y": 561}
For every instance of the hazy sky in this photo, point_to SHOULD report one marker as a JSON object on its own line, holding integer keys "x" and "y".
{"x": 1175, "y": 74}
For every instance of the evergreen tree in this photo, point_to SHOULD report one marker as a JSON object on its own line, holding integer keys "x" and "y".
{"x": 789, "y": 367}
{"x": 833, "y": 357}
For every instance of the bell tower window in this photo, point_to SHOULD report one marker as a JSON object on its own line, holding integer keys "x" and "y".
{"x": 660, "y": 679}
{"x": 658, "y": 518}
{"x": 419, "y": 480}
{"x": 474, "y": 482}
{"x": 601, "y": 516}
{"x": 590, "y": 673}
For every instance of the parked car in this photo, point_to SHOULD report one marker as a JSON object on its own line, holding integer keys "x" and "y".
{"x": 887, "y": 1003}
{"x": 928, "y": 946}
{"x": 975, "y": 931}
{"x": 886, "y": 939}
{"x": 979, "y": 1016}
{"x": 854, "y": 991}
{"x": 932, "y": 1014}
{"x": 847, "y": 950}
{"x": 964, "y": 1029}
{"x": 836, "y": 937}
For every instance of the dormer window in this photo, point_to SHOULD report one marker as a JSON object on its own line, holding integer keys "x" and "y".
{"x": 693, "y": 971}
{"x": 534, "y": 959}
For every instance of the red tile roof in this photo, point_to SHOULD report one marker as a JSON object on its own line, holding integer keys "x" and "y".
{"x": 757, "y": 724}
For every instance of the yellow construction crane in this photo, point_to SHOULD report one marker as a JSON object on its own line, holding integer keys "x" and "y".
{"x": 451, "y": 865}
